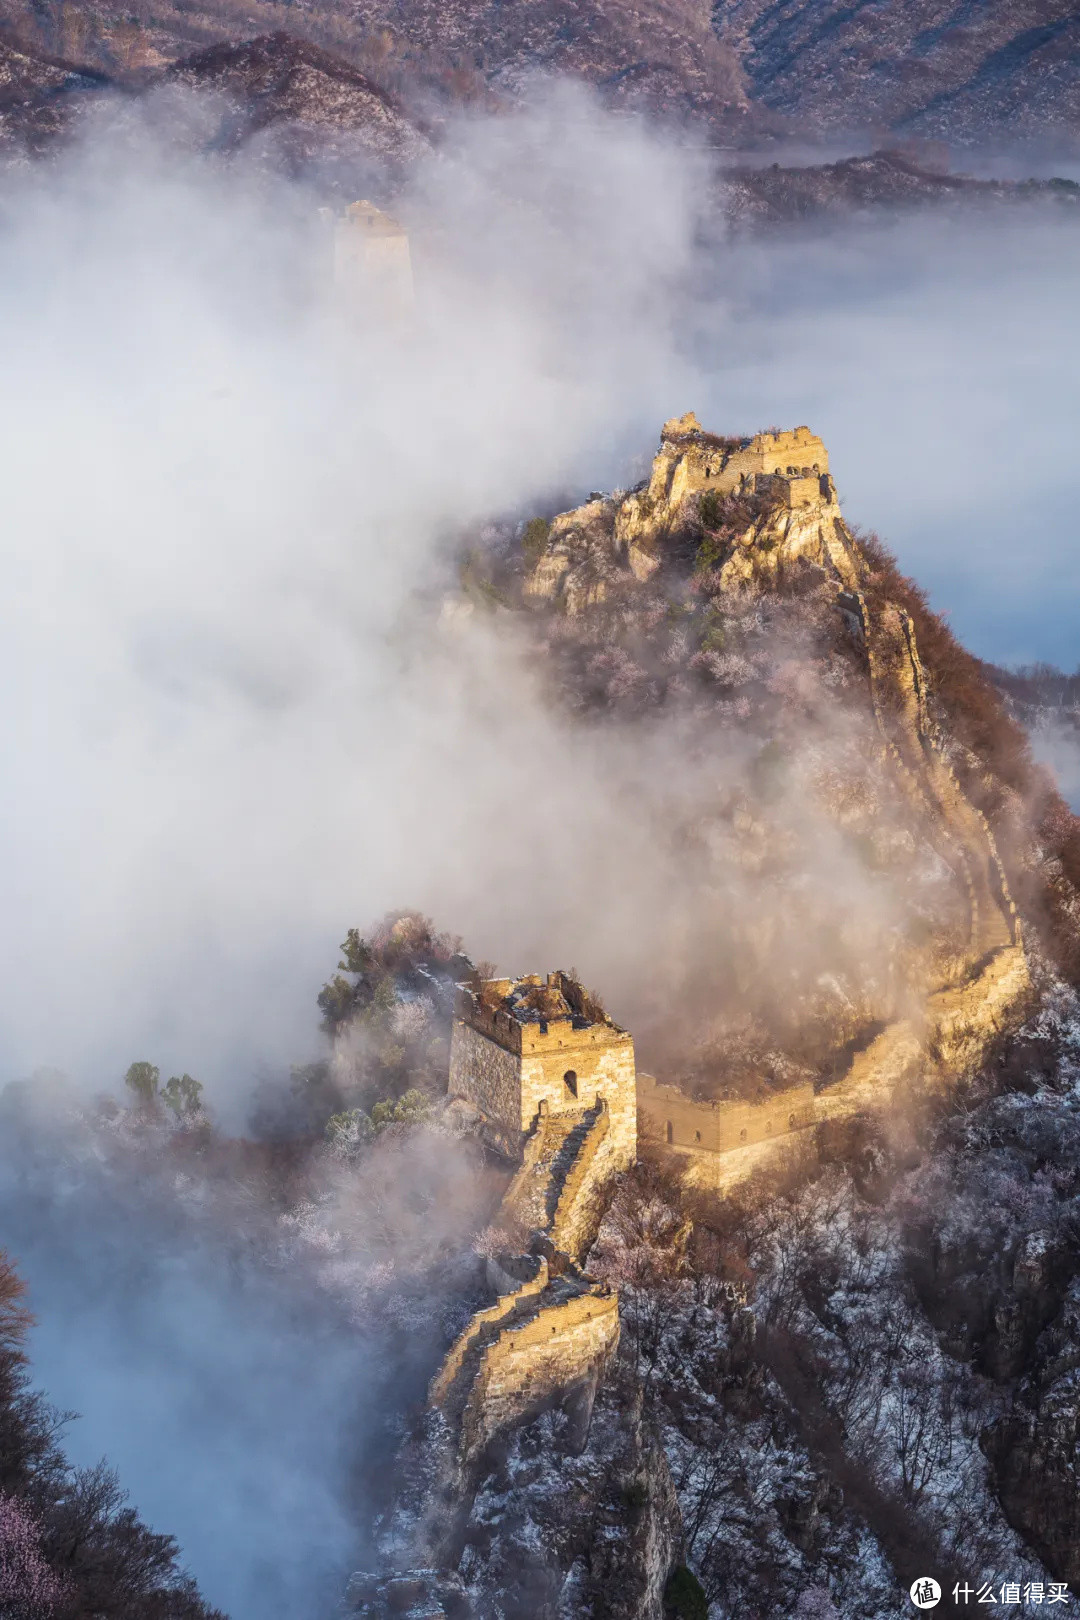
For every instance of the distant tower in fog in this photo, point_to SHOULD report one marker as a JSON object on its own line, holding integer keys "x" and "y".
{"x": 372, "y": 264}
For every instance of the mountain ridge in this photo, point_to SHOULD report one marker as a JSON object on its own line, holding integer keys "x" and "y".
{"x": 742, "y": 67}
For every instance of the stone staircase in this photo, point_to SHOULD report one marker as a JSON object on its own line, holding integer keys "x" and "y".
{"x": 577, "y": 1213}
{"x": 557, "y": 1144}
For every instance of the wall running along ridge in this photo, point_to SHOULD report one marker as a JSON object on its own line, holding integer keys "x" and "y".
{"x": 557, "y": 1327}
{"x": 720, "y": 1143}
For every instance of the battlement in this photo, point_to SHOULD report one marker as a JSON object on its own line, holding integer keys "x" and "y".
{"x": 794, "y": 452}
{"x": 533, "y": 1014}
{"x": 797, "y": 489}
{"x": 527, "y": 1366}
{"x": 670, "y": 1118}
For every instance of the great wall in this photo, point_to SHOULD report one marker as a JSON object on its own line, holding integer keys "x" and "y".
{"x": 551, "y": 1080}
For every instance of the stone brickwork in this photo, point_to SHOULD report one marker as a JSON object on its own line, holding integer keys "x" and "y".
{"x": 488, "y": 1075}
{"x": 579, "y": 1207}
{"x": 793, "y": 465}
{"x": 504, "y": 1306}
{"x": 667, "y": 1117}
{"x": 797, "y": 490}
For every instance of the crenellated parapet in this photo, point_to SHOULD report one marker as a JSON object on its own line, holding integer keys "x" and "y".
{"x": 534, "y": 1361}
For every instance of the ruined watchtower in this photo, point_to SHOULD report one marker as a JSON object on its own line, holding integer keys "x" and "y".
{"x": 791, "y": 465}
{"x": 525, "y": 1047}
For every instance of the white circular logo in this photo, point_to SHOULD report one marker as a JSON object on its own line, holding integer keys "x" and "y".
{"x": 925, "y": 1592}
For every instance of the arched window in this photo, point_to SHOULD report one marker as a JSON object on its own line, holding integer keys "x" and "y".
{"x": 569, "y": 1081}
{"x": 791, "y": 1122}
{"x": 697, "y": 1136}
{"x": 670, "y": 1133}
{"x": 742, "y": 1134}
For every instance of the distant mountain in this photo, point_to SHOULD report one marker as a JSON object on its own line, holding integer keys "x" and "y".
{"x": 660, "y": 54}
{"x": 772, "y": 195}
{"x": 948, "y": 69}
{"x": 291, "y": 100}
{"x": 942, "y": 68}
{"x": 39, "y": 94}
{"x": 312, "y": 102}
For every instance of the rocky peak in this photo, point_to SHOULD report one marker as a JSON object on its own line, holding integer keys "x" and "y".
{"x": 750, "y": 506}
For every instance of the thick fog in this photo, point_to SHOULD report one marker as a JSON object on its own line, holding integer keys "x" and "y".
{"x": 220, "y": 498}
{"x": 235, "y": 722}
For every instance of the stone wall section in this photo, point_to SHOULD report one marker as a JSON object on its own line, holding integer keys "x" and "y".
{"x": 372, "y": 260}
{"x": 442, "y": 1383}
{"x": 669, "y": 1118}
{"x": 560, "y": 1093}
{"x": 721, "y": 1142}
{"x": 522, "y": 1370}
{"x": 958, "y": 1024}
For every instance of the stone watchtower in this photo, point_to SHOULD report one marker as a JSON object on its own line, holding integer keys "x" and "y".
{"x": 525, "y": 1047}
{"x": 372, "y": 261}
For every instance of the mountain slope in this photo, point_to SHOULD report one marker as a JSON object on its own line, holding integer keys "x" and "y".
{"x": 40, "y": 94}
{"x": 882, "y": 181}
{"x": 307, "y": 98}
{"x": 943, "y": 68}
{"x": 291, "y": 99}
{"x": 658, "y": 54}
